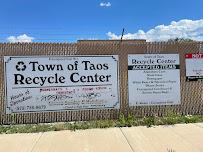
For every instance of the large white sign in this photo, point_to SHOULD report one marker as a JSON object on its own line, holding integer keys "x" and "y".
{"x": 53, "y": 83}
{"x": 153, "y": 79}
{"x": 194, "y": 67}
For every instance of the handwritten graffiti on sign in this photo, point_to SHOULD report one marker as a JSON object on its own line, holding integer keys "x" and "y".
{"x": 53, "y": 83}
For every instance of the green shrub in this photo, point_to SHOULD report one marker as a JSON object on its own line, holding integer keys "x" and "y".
{"x": 123, "y": 121}
{"x": 149, "y": 121}
{"x": 171, "y": 118}
{"x": 190, "y": 119}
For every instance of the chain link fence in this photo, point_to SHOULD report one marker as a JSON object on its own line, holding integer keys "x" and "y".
{"x": 191, "y": 92}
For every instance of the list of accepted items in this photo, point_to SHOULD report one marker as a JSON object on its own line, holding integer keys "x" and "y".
{"x": 153, "y": 79}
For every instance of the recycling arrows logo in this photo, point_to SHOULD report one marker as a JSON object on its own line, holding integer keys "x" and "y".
{"x": 20, "y": 66}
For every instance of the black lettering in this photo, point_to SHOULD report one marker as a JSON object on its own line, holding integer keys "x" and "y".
{"x": 72, "y": 79}
{"x": 51, "y": 67}
{"x": 34, "y": 80}
{"x": 49, "y": 80}
{"x": 28, "y": 80}
{"x": 107, "y": 78}
{"x": 76, "y": 65}
{"x": 86, "y": 67}
{"x": 43, "y": 79}
{"x": 106, "y": 67}
{"x": 70, "y": 67}
{"x": 62, "y": 79}
{"x": 41, "y": 67}
{"x": 99, "y": 66}
{"x": 18, "y": 79}
{"x": 33, "y": 65}
{"x": 83, "y": 78}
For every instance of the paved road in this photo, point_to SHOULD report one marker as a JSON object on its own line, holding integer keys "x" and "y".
{"x": 178, "y": 138}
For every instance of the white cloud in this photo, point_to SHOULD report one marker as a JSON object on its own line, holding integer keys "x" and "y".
{"x": 191, "y": 29}
{"x": 21, "y": 38}
{"x": 105, "y": 4}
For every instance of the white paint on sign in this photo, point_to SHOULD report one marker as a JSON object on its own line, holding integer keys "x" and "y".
{"x": 153, "y": 79}
{"x": 54, "y": 83}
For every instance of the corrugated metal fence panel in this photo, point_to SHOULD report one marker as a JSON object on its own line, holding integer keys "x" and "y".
{"x": 191, "y": 92}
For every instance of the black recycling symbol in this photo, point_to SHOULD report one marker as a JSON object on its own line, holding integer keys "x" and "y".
{"x": 20, "y": 66}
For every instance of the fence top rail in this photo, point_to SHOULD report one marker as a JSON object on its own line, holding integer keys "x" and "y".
{"x": 101, "y": 41}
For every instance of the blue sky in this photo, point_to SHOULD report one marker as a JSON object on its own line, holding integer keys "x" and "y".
{"x": 69, "y": 20}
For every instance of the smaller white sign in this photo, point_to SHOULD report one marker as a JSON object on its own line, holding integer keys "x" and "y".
{"x": 194, "y": 67}
{"x": 153, "y": 79}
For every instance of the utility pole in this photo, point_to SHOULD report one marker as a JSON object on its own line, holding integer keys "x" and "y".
{"x": 122, "y": 34}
